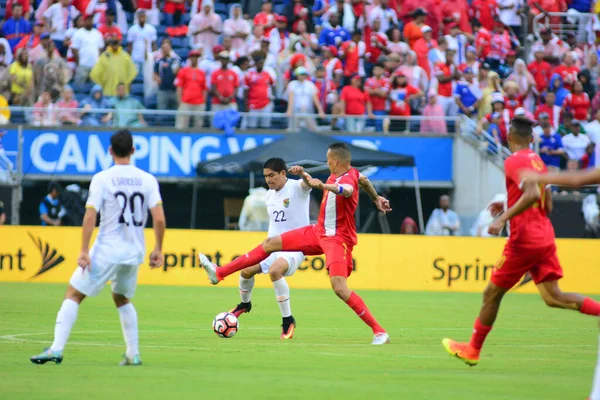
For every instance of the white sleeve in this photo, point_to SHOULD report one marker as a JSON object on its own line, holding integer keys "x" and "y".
{"x": 76, "y": 41}
{"x": 154, "y": 198}
{"x": 130, "y": 35}
{"x": 302, "y": 192}
{"x": 96, "y": 194}
{"x": 153, "y": 35}
{"x": 49, "y": 12}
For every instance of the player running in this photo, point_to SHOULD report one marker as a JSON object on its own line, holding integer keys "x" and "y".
{"x": 530, "y": 248}
{"x": 122, "y": 195}
{"x": 334, "y": 235}
{"x": 288, "y": 206}
{"x": 574, "y": 179}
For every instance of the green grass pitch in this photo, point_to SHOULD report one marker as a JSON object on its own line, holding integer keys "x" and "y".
{"x": 533, "y": 353}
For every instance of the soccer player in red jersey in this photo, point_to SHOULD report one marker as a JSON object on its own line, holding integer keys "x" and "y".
{"x": 573, "y": 179}
{"x": 334, "y": 235}
{"x": 530, "y": 248}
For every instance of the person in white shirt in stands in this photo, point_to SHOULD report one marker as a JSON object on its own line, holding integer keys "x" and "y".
{"x": 443, "y": 221}
{"x": 287, "y": 203}
{"x": 509, "y": 16}
{"x": 141, "y": 39}
{"x": 303, "y": 98}
{"x": 60, "y": 17}
{"x": 123, "y": 195}
{"x": 86, "y": 44}
{"x": 593, "y": 131}
{"x": 575, "y": 143}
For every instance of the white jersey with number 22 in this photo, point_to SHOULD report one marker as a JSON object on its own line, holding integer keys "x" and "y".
{"x": 122, "y": 195}
{"x": 288, "y": 208}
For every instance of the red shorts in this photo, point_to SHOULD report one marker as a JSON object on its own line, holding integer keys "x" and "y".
{"x": 308, "y": 240}
{"x": 542, "y": 264}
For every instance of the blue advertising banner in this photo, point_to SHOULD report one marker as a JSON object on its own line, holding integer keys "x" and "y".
{"x": 175, "y": 155}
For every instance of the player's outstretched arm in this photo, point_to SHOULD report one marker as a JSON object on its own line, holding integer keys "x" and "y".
{"x": 305, "y": 176}
{"x": 381, "y": 202}
{"x": 159, "y": 224}
{"x": 575, "y": 178}
{"x": 89, "y": 222}
{"x": 531, "y": 194}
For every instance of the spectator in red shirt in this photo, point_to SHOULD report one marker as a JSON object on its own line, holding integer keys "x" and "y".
{"x": 412, "y": 30}
{"x": 500, "y": 46}
{"x": 259, "y": 88}
{"x": 110, "y": 28}
{"x": 401, "y": 96}
{"x": 24, "y": 3}
{"x": 540, "y": 69}
{"x": 355, "y": 102}
{"x": 485, "y": 11}
{"x": 568, "y": 70}
{"x": 191, "y": 92}
{"x": 376, "y": 42}
{"x": 173, "y": 10}
{"x": 378, "y": 88}
{"x": 505, "y": 118}
{"x": 422, "y": 47}
{"x": 333, "y": 66}
{"x": 483, "y": 38}
{"x": 352, "y": 53}
{"x": 446, "y": 73}
{"x": 512, "y": 100}
{"x": 578, "y": 103}
{"x": 32, "y": 40}
{"x": 549, "y": 107}
{"x": 224, "y": 83}
{"x": 266, "y": 17}
{"x": 456, "y": 11}
{"x": 545, "y": 7}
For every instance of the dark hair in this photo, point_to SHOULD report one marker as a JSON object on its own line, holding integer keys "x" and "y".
{"x": 476, "y": 23}
{"x": 241, "y": 60}
{"x": 52, "y": 185}
{"x": 275, "y": 164}
{"x": 16, "y": 5}
{"x": 522, "y": 126}
{"x": 342, "y": 150}
{"x": 121, "y": 143}
{"x": 165, "y": 40}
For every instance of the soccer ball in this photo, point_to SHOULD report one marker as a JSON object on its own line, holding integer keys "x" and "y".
{"x": 225, "y": 325}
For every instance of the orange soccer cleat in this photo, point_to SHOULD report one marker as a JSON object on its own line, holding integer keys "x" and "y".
{"x": 462, "y": 351}
{"x": 287, "y": 328}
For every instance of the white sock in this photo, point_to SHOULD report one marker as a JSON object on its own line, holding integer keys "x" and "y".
{"x": 65, "y": 319}
{"x": 282, "y": 292}
{"x": 246, "y": 286}
{"x": 596, "y": 387}
{"x": 129, "y": 323}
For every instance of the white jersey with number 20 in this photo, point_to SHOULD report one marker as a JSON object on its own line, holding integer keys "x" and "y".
{"x": 122, "y": 195}
{"x": 288, "y": 208}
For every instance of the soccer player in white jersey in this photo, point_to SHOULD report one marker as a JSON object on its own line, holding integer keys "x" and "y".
{"x": 122, "y": 195}
{"x": 288, "y": 206}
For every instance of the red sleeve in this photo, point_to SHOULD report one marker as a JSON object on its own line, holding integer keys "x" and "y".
{"x": 344, "y": 94}
{"x": 367, "y": 97}
{"x": 203, "y": 75}
{"x": 213, "y": 77}
{"x": 368, "y": 83}
{"x": 351, "y": 178}
{"x": 438, "y": 70}
{"x": 411, "y": 90}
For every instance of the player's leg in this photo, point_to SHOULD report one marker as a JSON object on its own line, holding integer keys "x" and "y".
{"x": 546, "y": 275}
{"x": 246, "y": 285}
{"x": 284, "y": 265}
{"x": 508, "y": 271}
{"x": 65, "y": 319}
{"x": 123, "y": 285}
{"x": 338, "y": 257}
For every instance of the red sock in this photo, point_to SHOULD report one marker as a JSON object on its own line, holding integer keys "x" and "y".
{"x": 360, "y": 308}
{"x": 249, "y": 259}
{"x": 480, "y": 332}
{"x": 590, "y": 307}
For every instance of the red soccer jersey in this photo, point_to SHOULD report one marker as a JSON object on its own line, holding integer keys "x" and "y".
{"x": 511, "y": 104}
{"x": 578, "y": 104}
{"x": 351, "y": 50}
{"x": 226, "y": 82}
{"x": 336, "y": 217}
{"x": 381, "y": 83}
{"x": 532, "y": 228}
{"x": 485, "y": 11}
{"x": 356, "y": 100}
{"x": 569, "y": 74}
{"x": 541, "y": 72}
{"x": 443, "y": 69}
{"x": 500, "y": 46}
{"x": 259, "y": 89}
{"x": 192, "y": 82}
{"x": 267, "y": 20}
{"x": 110, "y": 31}
{"x": 398, "y": 104}
{"x": 371, "y": 42}
{"x": 482, "y": 42}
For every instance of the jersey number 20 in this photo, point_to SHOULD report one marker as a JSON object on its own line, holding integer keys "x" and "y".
{"x": 131, "y": 202}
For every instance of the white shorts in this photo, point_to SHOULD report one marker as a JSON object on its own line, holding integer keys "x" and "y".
{"x": 293, "y": 258}
{"x": 90, "y": 282}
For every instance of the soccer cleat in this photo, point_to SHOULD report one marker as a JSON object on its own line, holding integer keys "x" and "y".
{"x": 462, "y": 351}
{"x": 241, "y": 308}
{"x": 47, "y": 355}
{"x": 136, "y": 360}
{"x": 288, "y": 328}
{"x": 210, "y": 268}
{"x": 381, "y": 338}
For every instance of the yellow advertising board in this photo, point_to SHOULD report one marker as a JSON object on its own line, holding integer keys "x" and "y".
{"x": 385, "y": 262}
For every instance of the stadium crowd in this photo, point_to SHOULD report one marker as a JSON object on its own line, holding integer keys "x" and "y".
{"x": 340, "y": 59}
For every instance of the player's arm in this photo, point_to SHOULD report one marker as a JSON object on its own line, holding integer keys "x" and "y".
{"x": 381, "y": 202}
{"x": 305, "y": 176}
{"x": 531, "y": 194}
{"x": 159, "y": 225}
{"x": 574, "y": 179}
{"x": 87, "y": 227}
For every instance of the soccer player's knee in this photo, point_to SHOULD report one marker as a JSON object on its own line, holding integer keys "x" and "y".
{"x": 340, "y": 288}
{"x": 553, "y": 300}
{"x": 246, "y": 274}
{"x": 276, "y": 272}
{"x": 492, "y": 294}
{"x": 272, "y": 244}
